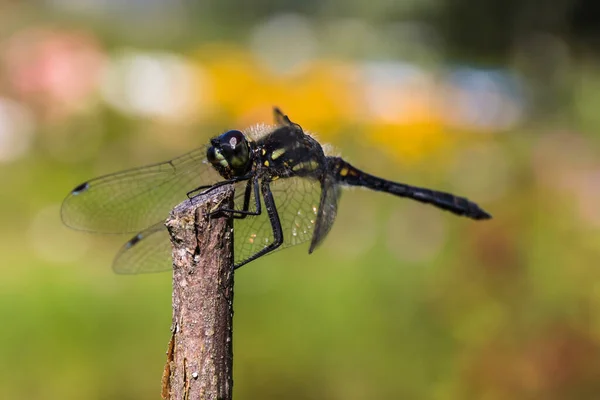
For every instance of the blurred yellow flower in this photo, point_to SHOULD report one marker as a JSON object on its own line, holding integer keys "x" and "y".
{"x": 411, "y": 141}
{"x": 400, "y": 109}
{"x": 322, "y": 97}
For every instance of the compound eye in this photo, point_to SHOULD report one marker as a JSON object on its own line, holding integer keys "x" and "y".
{"x": 233, "y": 139}
{"x": 235, "y": 149}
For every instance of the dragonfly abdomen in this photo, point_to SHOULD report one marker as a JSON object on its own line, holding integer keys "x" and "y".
{"x": 349, "y": 175}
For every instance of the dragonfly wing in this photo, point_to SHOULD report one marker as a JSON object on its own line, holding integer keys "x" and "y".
{"x": 297, "y": 202}
{"x": 131, "y": 200}
{"x": 148, "y": 251}
{"x": 330, "y": 196}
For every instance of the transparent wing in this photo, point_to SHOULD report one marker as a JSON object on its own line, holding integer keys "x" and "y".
{"x": 330, "y": 196}
{"x": 131, "y": 200}
{"x": 148, "y": 251}
{"x": 297, "y": 201}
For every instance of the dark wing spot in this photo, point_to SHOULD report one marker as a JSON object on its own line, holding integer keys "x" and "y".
{"x": 134, "y": 240}
{"x": 80, "y": 189}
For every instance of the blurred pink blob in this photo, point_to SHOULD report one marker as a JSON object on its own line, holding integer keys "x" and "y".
{"x": 53, "y": 71}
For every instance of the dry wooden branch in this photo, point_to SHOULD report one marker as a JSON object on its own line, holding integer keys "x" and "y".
{"x": 200, "y": 357}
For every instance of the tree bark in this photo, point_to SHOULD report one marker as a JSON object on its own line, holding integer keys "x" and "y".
{"x": 200, "y": 355}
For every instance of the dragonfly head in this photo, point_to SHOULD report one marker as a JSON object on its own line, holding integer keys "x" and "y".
{"x": 230, "y": 154}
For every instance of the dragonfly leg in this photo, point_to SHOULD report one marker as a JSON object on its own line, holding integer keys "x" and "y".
{"x": 200, "y": 189}
{"x": 275, "y": 224}
{"x": 246, "y": 206}
{"x": 245, "y": 211}
{"x": 196, "y": 192}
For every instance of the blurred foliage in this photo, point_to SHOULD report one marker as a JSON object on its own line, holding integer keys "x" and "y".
{"x": 402, "y": 300}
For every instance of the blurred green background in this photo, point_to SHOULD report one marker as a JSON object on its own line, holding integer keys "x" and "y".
{"x": 494, "y": 100}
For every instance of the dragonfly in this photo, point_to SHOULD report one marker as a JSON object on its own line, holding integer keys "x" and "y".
{"x": 286, "y": 192}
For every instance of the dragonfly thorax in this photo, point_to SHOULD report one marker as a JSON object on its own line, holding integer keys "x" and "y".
{"x": 230, "y": 154}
